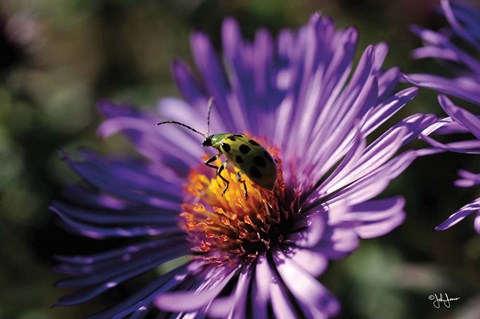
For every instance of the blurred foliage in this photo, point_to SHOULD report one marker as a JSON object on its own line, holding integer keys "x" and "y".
{"x": 58, "y": 57}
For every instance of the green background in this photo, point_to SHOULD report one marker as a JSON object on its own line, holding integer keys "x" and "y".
{"x": 61, "y": 56}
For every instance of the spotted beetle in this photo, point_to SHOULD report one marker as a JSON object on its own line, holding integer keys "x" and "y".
{"x": 243, "y": 152}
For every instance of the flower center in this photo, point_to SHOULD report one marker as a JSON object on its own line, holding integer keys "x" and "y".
{"x": 233, "y": 228}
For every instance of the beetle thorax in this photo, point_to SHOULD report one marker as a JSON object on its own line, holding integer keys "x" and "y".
{"x": 215, "y": 140}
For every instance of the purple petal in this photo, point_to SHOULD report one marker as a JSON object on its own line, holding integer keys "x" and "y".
{"x": 465, "y": 147}
{"x": 325, "y": 148}
{"x": 213, "y": 76}
{"x": 387, "y": 83}
{"x": 98, "y": 232}
{"x": 360, "y": 162}
{"x": 187, "y": 84}
{"x": 405, "y": 132}
{"x": 381, "y": 50}
{"x": 450, "y": 15}
{"x": 376, "y": 218}
{"x": 174, "y": 109}
{"x": 430, "y": 36}
{"x": 435, "y": 52}
{"x": 467, "y": 179}
{"x": 311, "y": 230}
{"x": 387, "y": 108}
{"x": 372, "y": 158}
{"x": 144, "y": 297}
{"x": 459, "y": 215}
{"x": 444, "y": 126}
{"x": 309, "y": 292}
{"x": 282, "y": 307}
{"x": 162, "y": 217}
{"x": 84, "y": 265}
{"x": 220, "y": 307}
{"x": 310, "y": 260}
{"x": 343, "y": 241}
{"x": 175, "y": 148}
{"x": 108, "y": 271}
{"x": 374, "y": 183}
{"x": 89, "y": 198}
{"x": 332, "y": 82}
{"x": 262, "y": 285}
{"x": 346, "y": 165}
{"x": 445, "y": 50}
{"x": 467, "y": 119}
{"x": 97, "y": 284}
{"x": 467, "y": 90}
{"x": 192, "y": 300}
{"x": 233, "y": 306}
{"x": 476, "y": 223}
{"x": 107, "y": 176}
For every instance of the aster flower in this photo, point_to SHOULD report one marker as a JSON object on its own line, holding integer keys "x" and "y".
{"x": 465, "y": 27}
{"x": 257, "y": 256}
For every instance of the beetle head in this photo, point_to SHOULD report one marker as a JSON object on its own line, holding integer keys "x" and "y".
{"x": 207, "y": 141}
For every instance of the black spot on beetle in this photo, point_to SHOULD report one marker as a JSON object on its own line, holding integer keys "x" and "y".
{"x": 267, "y": 156}
{"x": 238, "y": 135}
{"x": 253, "y": 142}
{"x": 239, "y": 159}
{"x": 244, "y": 149}
{"x": 226, "y": 147}
{"x": 232, "y": 138}
{"x": 259, "y": 161}
{"x": 254, "y": 172}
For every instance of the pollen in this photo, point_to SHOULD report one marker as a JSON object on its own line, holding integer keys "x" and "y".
{"x": 233, "y": 228}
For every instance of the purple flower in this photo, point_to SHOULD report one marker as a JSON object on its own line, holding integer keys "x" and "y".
{"x": 258, "y": 256}
{"x": 464, "y": 27}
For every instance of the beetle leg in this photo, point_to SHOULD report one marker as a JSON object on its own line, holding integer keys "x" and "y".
{"x": 219, "y": 174}
{"x": 212, "y": 159}
{"x": 219, "y": 169}
{"x": 243, "y": 182}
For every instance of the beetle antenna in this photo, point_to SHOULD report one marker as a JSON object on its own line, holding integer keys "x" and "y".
{"x": 209, "y": 107}
{"x": 184, "y": 125}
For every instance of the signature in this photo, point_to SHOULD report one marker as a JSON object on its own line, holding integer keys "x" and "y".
{"x": 440, "y": 298}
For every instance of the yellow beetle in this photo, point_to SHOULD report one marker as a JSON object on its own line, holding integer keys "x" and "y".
{"x": 243, "y": 152}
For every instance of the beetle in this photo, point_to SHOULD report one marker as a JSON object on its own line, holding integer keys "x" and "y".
{"x": 252, "y": 159}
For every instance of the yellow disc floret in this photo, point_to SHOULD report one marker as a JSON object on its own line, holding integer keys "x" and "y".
{"x": 232, "y": 228}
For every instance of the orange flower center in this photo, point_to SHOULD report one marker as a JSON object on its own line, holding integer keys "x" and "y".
{"x": 233, "y": 228}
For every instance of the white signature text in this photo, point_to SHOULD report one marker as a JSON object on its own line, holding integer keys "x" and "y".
{"x": 440, "y": 299}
